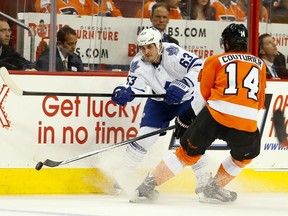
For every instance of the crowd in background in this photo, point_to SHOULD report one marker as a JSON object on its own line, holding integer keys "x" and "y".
{"x": 235, "y": 10}
{"x": 272, "y": 11}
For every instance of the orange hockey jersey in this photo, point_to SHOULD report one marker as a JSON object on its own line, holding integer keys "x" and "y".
{"x": 107, "y": 8}
{"x": 63, "y": 7}
{"x": 233, "y": 84}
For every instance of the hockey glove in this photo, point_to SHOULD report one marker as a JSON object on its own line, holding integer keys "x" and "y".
{"x": 182, "y": 122}
{"x": 122, "y": 95}
{"x": 176, "y": 91}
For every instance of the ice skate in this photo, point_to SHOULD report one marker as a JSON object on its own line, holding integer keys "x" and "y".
{"x": 145, "y": 191}
{"x": 202, "y": 182}
{"x": 212, "y": 193}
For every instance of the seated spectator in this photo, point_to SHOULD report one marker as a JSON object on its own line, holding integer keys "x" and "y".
{"x": 106, "y": 8}
{"x": 264, "y": 16}
{"x": 73, "y": 7}
{"x": 243, "y": 8}
{"x": 268, "y": 52}
{"x": 145, "y": 11}
{"x": 160, "y": 19}
{"x": 202, "y": 10}
{"x": 175, "y": 12}
{"x": 184, "y": 8}
{"x": 9, "y": 58}
{"x": 66, "y": 59}
{"x": 279, "y": 13}
{"x": 227, "y": 10}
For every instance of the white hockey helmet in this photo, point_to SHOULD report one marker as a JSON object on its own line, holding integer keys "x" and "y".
{"x": 150, "y": 36}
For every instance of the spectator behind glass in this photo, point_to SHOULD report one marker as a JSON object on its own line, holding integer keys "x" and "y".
{"x": 72, "y": 7}
{"x": 107, "y": 8}
{"x": 202, "y": 10}
{"x": 9, "y": 58}
{"x": 274, "y": 60}
{"x": 279, "y": 13}
{"x": 66, "y": 59}
{"x": 160, "y": 19}
{"x": 264, "y": 16}
{"x": 227, "y": 10}
{"x": 243, "y": 8}
{"x": 175, "y": 12}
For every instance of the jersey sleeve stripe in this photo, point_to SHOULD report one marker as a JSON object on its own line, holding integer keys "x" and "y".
{"x": 193, "y": 64}
{"x": 189, "y": 81}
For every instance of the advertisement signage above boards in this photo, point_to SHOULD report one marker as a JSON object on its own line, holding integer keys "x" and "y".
{"x": 60, "y": 127}
{"x": 110, "y": 40}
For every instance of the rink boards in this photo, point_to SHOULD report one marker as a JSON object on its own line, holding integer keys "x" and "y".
{"x": 87, "y": 180}
{"x": 35, "y": 128}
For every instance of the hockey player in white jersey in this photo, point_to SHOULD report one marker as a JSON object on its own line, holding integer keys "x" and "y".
{"x": 166, "y": 69}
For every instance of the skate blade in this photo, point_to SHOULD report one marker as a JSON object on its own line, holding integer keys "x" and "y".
{"x": 137, "y": 200}
{"x": 203, "y": 199}
{"x": 143, "y": 199}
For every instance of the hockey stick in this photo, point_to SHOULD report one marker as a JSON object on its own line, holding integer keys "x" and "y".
{"x": 16, "y": 90}
{"x": 51, "y": 163}
{"x": 280, "y": 129}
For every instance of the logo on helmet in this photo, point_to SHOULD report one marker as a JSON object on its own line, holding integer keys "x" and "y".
{"x": 242, "y": 33}
{"x": 152, "y": 39}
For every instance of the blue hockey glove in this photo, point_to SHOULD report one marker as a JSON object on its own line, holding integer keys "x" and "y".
{"x": 176, "y": 91}
{"x": 122, "y": 95}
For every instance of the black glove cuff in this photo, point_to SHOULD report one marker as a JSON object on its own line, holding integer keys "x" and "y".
{"x": 181, "y": 123}
{"x": 187, "y": 117}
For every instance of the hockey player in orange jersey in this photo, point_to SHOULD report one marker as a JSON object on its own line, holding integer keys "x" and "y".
{"x": 231, "y": 92}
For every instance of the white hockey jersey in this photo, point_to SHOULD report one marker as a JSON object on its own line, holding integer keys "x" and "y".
{"x": 176, "y": 63}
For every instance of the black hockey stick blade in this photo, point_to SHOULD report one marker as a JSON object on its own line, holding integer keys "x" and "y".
{"x": 18, "y": 91}
{"x": 280, "y": 129}
{"x": 51, "y": 163}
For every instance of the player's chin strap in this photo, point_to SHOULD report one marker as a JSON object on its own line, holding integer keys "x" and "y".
{"x": 159, "y": 53}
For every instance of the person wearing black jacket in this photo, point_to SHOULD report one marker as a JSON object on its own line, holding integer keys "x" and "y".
{"x": 160, "y": 19}
{"x": 9, "y": 58}
{"x": 66, "y": 59}
{"x": 280, "y": 65}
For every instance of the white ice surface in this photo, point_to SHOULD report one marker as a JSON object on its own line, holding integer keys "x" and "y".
{"x": 167, "y": 205}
